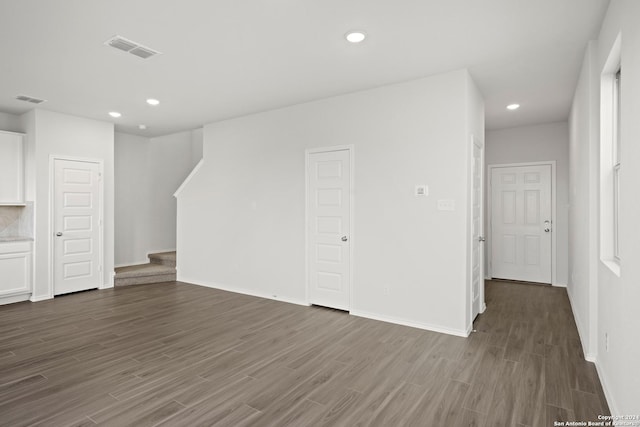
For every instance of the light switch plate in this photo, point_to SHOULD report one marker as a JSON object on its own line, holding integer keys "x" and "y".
{"x": 421, "y": 190}
{"x": 446, "y": 205}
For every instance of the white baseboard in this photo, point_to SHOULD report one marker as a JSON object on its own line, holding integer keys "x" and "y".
{"x": 129, "y": 263}
{"x": 613, "y": 408}
{"x": 10, "y": 299}
{"x": 593, "y": 357}
{"x": 156, "y": 251}
{"x": 111, "y": 279}
{"x": 588, "y": 355}
{"x": 469, "y": 330}
{"x": 35, "y": 298}
{"x": 412, "y": 324}
{"x": 559, "y": 285}
{"x": 359, "y": 313}
{"x": 237, "y": 290}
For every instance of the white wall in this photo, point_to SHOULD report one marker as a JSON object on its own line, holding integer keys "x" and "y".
{"x": 534, "y": 144}
{"x": 55, "y": 134}
{"x": 132, "y": 212}
{"x": 10, "y": 122}
{"x": 148, "y": 171}
{"x": 170, "y": 161}
{"x": 241, "y": 219}
{"x": 28, "y": 126}
{"x": 197, "y": 139}
{"x": 583, "y": 210}
{"x": 617, "y": 296}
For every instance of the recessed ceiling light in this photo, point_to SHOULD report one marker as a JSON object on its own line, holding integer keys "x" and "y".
{"x": 142, "y": 127}
{"x": 152, "y": 101}
{"x": 114, "y": 114}
{"x": 513, "y": 106}
{"x": 355, "y": 36}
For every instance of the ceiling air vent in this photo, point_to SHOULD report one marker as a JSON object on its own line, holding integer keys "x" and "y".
{"x": 131, "y": 47}
{"x": 143, "y": 52}
{"x": 29, "y": 99}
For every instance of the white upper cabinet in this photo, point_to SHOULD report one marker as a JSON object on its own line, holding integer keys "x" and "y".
{"x": 11, "y": 169}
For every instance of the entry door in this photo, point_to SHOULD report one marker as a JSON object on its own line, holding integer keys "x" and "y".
{"x": 521, "y": 223}
{"x": 328, "y": 219}
{"x": 477, "y": 242}
{"x": 76, "y": 226}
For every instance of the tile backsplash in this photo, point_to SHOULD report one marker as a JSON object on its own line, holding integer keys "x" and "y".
{"x": 16, "y": 221}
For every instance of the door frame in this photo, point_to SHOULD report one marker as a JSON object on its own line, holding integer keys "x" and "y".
{"x": 554, "y": 234}
{"x": 351, "y": 149}
{"x": 476, "y": 141}
{"x": 51, "y": 231}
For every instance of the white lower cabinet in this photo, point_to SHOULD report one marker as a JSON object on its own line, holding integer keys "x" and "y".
{"x": 15, "y": 271}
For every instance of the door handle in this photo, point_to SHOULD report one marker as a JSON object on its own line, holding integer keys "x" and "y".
{"x": 547, "y": 226}
{"x": 344, "y": 238}
{"x": 481, "y": 239}
{"x": 59, "y": 233}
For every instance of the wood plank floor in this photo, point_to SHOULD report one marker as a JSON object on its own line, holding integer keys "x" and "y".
{"x": 175, "y": 354}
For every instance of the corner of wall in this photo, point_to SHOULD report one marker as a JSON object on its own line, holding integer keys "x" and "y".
{"x": 412, "y": 324}
{"x": 582, "y": 329}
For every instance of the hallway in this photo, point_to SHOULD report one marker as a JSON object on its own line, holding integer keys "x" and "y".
{"x": 541, "y": 355}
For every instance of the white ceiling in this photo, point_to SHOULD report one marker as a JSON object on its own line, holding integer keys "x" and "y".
{"x": 226, "y": 58}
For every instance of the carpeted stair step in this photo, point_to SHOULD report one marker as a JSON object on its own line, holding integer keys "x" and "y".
{"x": 163, "y": 258}
{"x": 143, "y": 274}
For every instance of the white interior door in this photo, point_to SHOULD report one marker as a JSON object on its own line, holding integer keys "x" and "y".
{"x": 76, "y": 219}
{"x": 521, "y": 223}
{"x": 477, "y": 236}
{"x": 328, "y": 219}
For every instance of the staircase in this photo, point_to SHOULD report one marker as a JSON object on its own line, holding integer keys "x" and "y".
{"x": 161, "y": 268}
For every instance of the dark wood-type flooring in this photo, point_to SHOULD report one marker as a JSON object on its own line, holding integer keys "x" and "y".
{"x": 175, "y": 354}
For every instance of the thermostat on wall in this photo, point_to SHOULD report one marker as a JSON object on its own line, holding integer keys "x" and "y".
{"x": 422, "y": 190}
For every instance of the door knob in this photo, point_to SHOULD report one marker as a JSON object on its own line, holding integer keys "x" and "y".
{"x": 59, "y": 233}
{"x": 547, "y": 226}
{"x": 344, "y": 238}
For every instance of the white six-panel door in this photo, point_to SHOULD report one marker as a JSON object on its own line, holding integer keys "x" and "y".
{"x": 328, "y": 222}
{"x": 521, "y": 230}
{"x": 76, "y": 220}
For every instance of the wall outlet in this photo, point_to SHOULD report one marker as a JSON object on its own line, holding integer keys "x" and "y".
{"x": 446, "y": 205}
{"x": 386, "y": 290}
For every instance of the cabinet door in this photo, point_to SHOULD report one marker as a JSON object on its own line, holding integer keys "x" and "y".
{"x": 11, "y": 169}
{"x": 15, "y": 271}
